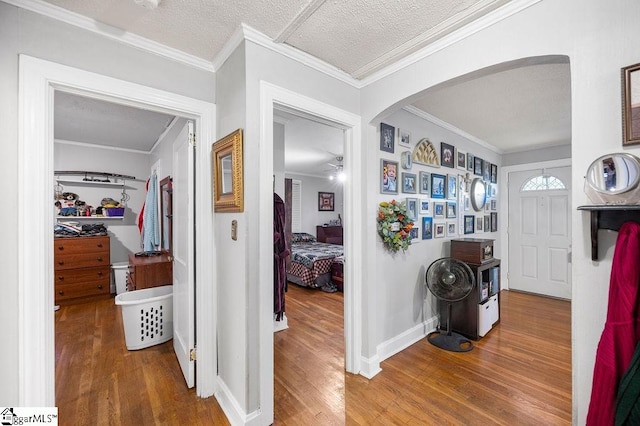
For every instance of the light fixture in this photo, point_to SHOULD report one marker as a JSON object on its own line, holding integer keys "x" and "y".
{"x": 338, "y": 172}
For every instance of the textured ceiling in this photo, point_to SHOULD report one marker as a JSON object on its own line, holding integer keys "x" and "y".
{"x": 512, "y": 109}
{"x": 86, "y": 120}
{"x": 357, "y": 36}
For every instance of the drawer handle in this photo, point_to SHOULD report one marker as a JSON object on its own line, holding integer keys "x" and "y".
{"x": 99, "y": 258}
{"x": 99, "y": 274}
{"x": 60, "y": 262}
{"x": 100, "y": 245}
{"x": 61, "y": 293}
{"x": 61, "y": 278}
{"x": 100, "y": 286}
{"x": 60, "y": 247}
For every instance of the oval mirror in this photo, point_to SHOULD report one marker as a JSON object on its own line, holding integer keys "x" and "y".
{"x": 478, "y": 194}
{"x": 614, "y": 173}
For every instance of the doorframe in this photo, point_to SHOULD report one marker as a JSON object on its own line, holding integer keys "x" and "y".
{"x": 272, "y": 96}
{"x": 38, "y": 80}
{"x": 503, "y": 209}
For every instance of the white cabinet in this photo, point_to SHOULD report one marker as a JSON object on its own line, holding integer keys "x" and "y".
{"x": 488, "y": 315}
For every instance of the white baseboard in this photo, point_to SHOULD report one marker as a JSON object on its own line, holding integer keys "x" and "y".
{"x": 235, "y": 414}
{"x": 371, "y": 366}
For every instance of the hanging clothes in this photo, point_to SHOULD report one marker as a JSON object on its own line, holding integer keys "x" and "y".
{"x": 622, "y": 328}
{"x": 628, "y": 404}
{"x": 150, "y": 224}
{"x": 280, "y": 254}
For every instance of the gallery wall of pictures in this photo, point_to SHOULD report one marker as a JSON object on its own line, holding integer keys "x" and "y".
{"x": 449, "y": 192}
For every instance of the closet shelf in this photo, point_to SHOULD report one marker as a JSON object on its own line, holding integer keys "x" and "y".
{"x": 85, "y": 218}
{"x": 609, "y": 217}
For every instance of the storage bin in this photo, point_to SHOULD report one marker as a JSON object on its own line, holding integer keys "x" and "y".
{"x": 147, "y": 316}
{"x": 119, "y": 277}
{"x": 114, "y": 211}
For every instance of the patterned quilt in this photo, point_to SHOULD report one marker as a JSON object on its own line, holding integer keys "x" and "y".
{"x": 312, "y": 260}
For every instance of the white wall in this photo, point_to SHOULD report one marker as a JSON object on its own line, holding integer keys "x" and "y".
{"x": 599, "y": 39}
{"x": 278, "y": 159}
{"x": 311, "y": 216}
{"x": 537, "y": 155}
{"x": 399, "y": 282}
{"x": 125, "y": 237}
{"x": 29, "y": 33}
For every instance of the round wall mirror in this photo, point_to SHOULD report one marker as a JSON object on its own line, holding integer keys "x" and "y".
{"x": 478, "y": 194}
{"x": 614, "y": 173}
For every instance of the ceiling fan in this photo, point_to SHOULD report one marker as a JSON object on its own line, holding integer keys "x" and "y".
{"x": 337, "y": 172}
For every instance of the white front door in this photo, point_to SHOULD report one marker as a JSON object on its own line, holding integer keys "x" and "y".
{"x": 183, "y": 253}
{"x": 540, "y": 231}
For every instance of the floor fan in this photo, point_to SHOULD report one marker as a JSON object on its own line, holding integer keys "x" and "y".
{"x": 449, "y": 280}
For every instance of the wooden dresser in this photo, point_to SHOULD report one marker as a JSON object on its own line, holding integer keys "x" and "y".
{"x": 81, "y": 269}
{"x": 329, "y": 234}
{"x": 151, "y": 271}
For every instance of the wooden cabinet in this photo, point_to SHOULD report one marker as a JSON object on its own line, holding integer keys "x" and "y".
{"x": 149, "y": 271}
{"x": 475, "y": 315}
{"x": 81, "y": 269}
{"x": 329, "y": 234}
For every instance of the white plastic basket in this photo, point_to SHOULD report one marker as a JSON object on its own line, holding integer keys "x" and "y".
{"x": 147, "y": 316}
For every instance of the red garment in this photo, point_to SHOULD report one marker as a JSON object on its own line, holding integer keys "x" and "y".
{"x": 141, "y": 215}
{"x": 621, "y": 330}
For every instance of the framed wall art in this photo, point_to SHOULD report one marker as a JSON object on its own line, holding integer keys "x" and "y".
{"x": 451, "y": 229}
{"x": 439, "y": 230}
{"x": 452, "y": 186}
{"x": 404, "y": 138}
{"x": 461, "y": 160}
{"x": 469, "y": 224}
{"x": 477, "y": 166}
{"x": 631, "y": 105}
{"x": 494, "y": 173}
{"x": 447, "y": 152}
{"x": 494, "y": 221}
{"x": 388, "y": 177}
{"x": 438, "y": 185}
{"x": 387, "y": 137}
{"x": 412, "y": 208}
{"x": 409, "y": 183}
{"x": 425, "y": 183}
{"x": 228, "y": 179}
{"x": 427, "y": 228}
{"x": 438, "y": 210}
{"x": 424, "y": 206}
{"x": 470, "y": 162}
{"x": 451, "y": 210}
{"x": 326, "y": 201}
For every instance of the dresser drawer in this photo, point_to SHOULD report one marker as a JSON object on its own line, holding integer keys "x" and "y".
{"x": 81, "y": 284}
{"x": 81, "y": 260}
{"x": 71, "y": 246}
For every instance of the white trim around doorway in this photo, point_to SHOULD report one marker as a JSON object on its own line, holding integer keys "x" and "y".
{"x": 271, "y": 97}
{"x": 38, "y": 80}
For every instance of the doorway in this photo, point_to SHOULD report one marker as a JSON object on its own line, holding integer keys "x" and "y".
{"x": 540, "y": 231}
{"x": 38, "y": 81}
{"x": 273, "y": 97}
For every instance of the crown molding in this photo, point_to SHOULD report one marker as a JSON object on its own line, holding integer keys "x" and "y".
{"x": 491, "y": 18}
{"x": 311, "y": 61}
{"x": 55, "y": 12}
{"x": 438, "y": 122}
{"x": 97, "y": 146}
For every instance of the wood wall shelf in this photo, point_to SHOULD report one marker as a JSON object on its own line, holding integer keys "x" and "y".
{"x": 609, "y": 217}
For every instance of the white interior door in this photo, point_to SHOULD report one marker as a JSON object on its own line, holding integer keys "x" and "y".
{"x": 540, "y": 231}
{"x": 183, "y": 253}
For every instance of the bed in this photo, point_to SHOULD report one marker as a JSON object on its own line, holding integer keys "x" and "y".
{"x": 311, "y": 262}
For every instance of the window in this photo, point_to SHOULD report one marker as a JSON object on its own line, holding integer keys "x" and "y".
{"x": 543, "y": 183}
{"x": 296, "y": 206}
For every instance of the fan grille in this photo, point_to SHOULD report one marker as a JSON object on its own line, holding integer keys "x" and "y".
{"x": 449, "y": 279}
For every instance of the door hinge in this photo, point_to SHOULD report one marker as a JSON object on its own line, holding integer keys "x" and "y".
{"x": 192, "y": 354}
{"x": 192, "y": 134}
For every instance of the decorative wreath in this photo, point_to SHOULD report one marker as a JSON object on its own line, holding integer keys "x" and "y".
{"x": 394, "y": 225}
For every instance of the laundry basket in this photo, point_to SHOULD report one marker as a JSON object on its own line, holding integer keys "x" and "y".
{"x": 147, "y": 316}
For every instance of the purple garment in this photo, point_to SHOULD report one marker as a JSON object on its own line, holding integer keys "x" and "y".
{"x": 280, "y": 254}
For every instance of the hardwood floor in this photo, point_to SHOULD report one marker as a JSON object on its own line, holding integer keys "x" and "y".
{"x": 520, "y": 373}
{"x": 100, "y": 382}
